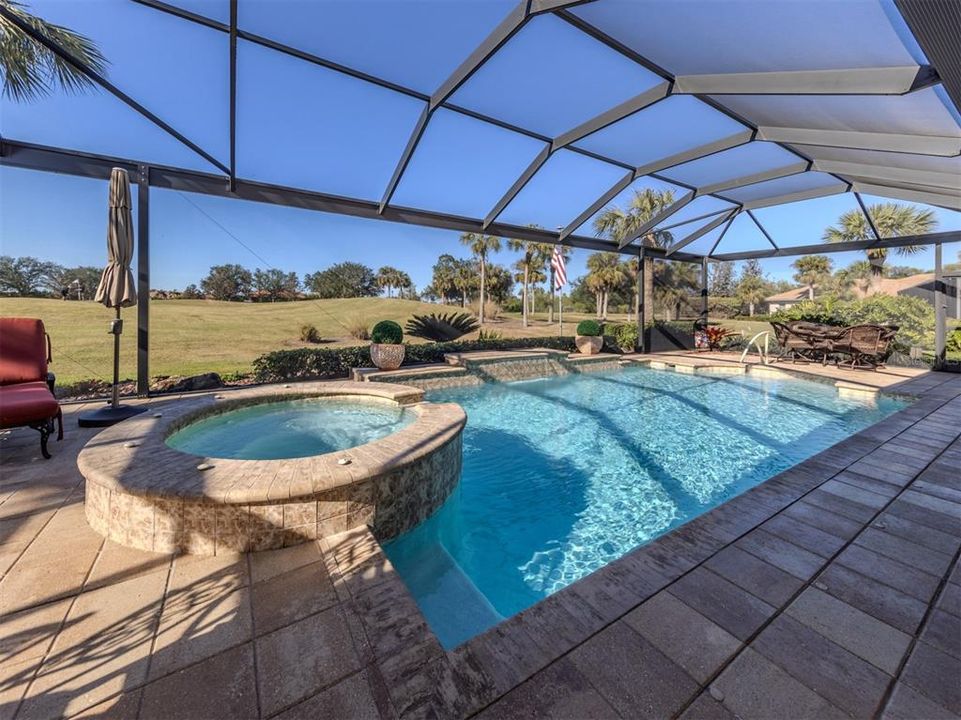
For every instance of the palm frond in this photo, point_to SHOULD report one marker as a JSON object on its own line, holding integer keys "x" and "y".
{"x": 441, "y": 328}
{"x": 29, "y": 70}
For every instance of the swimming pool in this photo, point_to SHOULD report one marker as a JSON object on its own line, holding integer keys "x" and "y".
{"x": 290, "y": 428}
{"x": 564, "y": 475}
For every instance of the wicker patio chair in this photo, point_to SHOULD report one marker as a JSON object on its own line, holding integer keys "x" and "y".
{"x": 867, "y": 346}
{"x": 802, "y": 343}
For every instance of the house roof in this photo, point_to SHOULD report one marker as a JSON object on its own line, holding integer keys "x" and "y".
{"x": 892, "y": 286}
{"x": 792, "y": 295}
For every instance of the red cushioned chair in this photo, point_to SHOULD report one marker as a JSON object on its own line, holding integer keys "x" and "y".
{"x": 26, "y": 388}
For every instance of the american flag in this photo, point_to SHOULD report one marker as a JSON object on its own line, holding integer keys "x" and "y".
{"x": 560, "y": 271}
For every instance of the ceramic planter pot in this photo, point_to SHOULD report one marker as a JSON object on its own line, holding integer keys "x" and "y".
{"x": 387, "y": 356}
{"x": 588, "y": 344}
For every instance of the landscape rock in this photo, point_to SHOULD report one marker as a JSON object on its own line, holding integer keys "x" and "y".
{"x": 180, "y": 383}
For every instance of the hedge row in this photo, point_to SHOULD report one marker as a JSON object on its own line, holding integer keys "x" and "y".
{"x": 316, "y": 363}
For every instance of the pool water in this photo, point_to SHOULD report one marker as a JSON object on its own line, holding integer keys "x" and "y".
{"x": 290, "y": 429}
{"x": 563, "y": 475}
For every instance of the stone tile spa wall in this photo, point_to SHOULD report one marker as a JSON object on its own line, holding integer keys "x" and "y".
{"x": 143, "y": 494}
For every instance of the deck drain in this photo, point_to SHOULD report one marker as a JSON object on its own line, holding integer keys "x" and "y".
{"x": 131, "y": 444}
{"x": 204, "y": 466}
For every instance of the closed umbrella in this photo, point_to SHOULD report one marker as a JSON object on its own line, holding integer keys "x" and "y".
{"x": 116, "y": 290}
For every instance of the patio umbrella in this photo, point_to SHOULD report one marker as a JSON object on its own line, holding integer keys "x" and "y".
{"x": 116, "y": 290}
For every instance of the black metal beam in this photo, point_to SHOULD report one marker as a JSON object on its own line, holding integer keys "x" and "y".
{"x": 700, "y": 232}
{"x": 143, "y": 280}
{"x": 70, "y": 162}
{"x": 730, "y": 221}
{"x": 233, "y": 93}
{"x": 653, "y": 67}
{"x": 760, "y": 227}
{"x": 496, "y": 39}
{"x": 867, "y": 216}
{"x": 100, "y": 80}
{"x": 928, "y": 239}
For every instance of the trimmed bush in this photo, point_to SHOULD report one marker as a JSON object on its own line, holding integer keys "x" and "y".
{"x": 316, "y": 363}
{"x": 589, "y": 328}
{"x": 952, "y": 342}
{"x": 387, "y": 332}
{"x": 625, "y": 336}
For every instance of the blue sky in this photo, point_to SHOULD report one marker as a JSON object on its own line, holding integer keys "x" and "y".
{"x": 309, "y": 127}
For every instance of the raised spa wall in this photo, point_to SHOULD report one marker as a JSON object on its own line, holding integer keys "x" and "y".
{"x": 143, "y": 494}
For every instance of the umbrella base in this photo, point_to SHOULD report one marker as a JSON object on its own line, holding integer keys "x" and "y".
{"x": 107, "y": 416}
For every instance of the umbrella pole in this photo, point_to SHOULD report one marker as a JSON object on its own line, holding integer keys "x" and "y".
{"x": 116, "y": 361}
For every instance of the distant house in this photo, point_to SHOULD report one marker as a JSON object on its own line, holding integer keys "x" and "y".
{"x": 920, "y": 285}
{"x": 786, "y": 299}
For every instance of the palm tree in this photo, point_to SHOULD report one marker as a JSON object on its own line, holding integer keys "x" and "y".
{"x": 481, "y": 246}
{"x": 604, "y": 274}
{"x": 630, "y": 268}
{"x": 891, "y": 220}
{"x": 811, "y": 270}
{"x": 389, "y": 277}
{"x": 464, "y": 279}
{"x": 530, "y": 262}
{"x": 617, "y": 223}
{"x": 30, "y": 70}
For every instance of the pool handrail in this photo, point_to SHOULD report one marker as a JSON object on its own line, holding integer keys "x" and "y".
{"x": 762, "y": 351}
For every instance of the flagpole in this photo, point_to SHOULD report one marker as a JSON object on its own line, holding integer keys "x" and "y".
{"x": 560, "y": 291}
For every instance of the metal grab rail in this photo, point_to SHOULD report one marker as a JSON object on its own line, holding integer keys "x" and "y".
{"x": 762, "y": 351}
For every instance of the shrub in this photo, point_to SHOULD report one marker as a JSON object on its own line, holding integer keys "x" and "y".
{"x": 387, "y": 332}
{"x": 441, "y": 328}
{"x": 309, "y": 333}
{"x": 952, "y": 342}
{"x": 589, "y": 328}
{"x": 625, "y": 336}
{"x": 913, "y": 316}
{"x": 357, "y": 329}
{"x": 314, "y": 363}
{"x": 489, "y": 335}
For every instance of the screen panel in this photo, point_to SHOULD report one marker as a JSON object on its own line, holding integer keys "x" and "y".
{"x": 675, "y": 124}
{"x": 563, "y": 187}
{"x": 320, "y": 129}
{"x": 705, "y": 36}
{"x": 550, "y": 78}
{"x": 417, "y": 43}
{"x": 463, "y": 165}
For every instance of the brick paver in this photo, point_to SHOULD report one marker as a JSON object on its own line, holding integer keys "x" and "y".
{"x": 832, "y": 590}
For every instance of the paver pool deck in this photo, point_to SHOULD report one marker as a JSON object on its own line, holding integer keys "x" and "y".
{"x": 831, "y": 590}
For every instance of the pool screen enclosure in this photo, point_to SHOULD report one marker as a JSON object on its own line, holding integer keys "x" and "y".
{"x": 734, "y": 106}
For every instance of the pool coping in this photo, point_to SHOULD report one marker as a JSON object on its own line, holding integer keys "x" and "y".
{"x": 424, "y": 679}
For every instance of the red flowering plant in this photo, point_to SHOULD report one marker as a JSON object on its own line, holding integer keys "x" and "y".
{"x": 715, "y": 335}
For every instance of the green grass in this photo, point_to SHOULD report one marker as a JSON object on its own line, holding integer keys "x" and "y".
{"x": 194, "y": 336}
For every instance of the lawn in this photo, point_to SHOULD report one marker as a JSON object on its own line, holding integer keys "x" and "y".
{"x": 194, "y": 336}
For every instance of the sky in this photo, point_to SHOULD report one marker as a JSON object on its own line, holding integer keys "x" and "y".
{"x": 309, "y": 127}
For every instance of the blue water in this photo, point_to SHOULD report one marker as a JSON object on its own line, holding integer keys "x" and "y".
{"x": 563, "y": 475}
{"x": 290, "y": 429}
